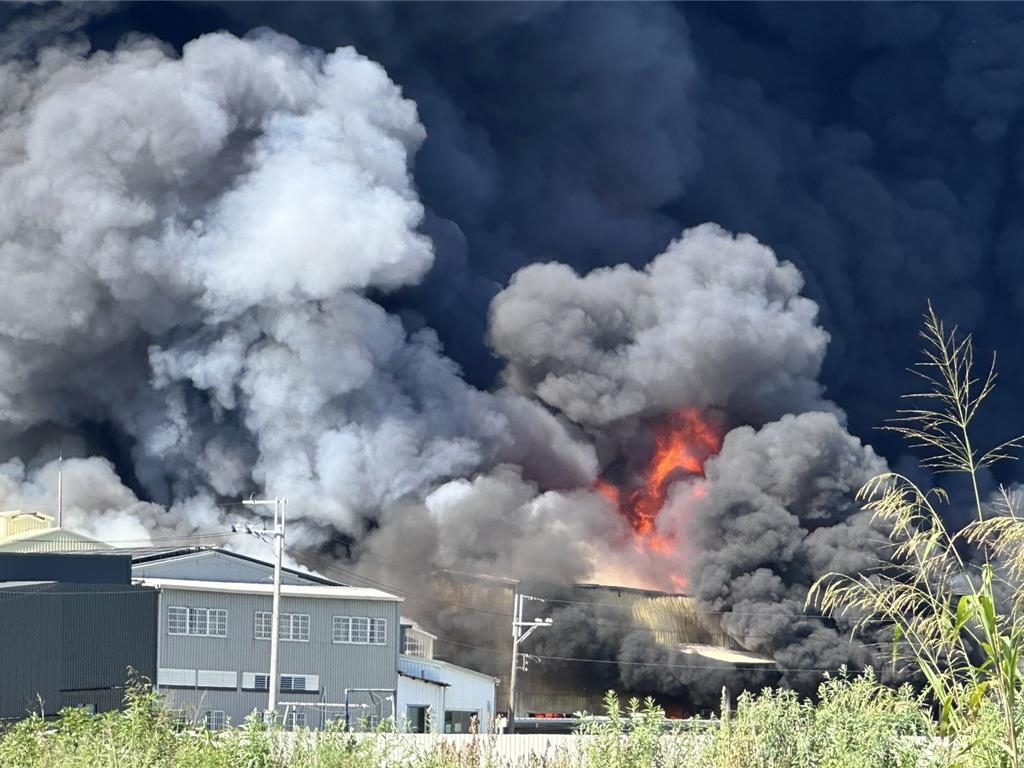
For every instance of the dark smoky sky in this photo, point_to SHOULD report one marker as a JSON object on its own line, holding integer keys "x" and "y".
{"x": 876, "y": 146}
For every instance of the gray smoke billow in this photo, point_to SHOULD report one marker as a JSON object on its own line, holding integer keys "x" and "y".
{"x": 201, "y": 251}
{"x": 189, "y": 242}
{"x": 713, "y": 321}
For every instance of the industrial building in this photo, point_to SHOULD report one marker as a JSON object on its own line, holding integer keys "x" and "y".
{"x": 73, "y": 628}
{"x": 550, "y": 690}
{"x": 439, "y": 696}
{"x": 346, "y": 653}
{"x": 338, "y": 651}
{"x": 36, "y": 532}
{"x": 197, "y": 621}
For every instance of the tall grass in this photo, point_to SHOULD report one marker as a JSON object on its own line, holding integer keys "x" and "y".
{"x": 952, "y": 596}
{"x": 855, "y": 723}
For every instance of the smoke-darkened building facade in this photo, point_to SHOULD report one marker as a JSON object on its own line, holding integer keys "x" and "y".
{"x": 637, "y": 642}
{"x": 70, "y": 640}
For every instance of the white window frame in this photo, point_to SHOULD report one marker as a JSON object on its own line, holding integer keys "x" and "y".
{"x": 180, "y": 620}
{"x": 293, "y": 628}
{"x": 359, "y": 630}
{"x": 296, "y": 623}
{"x": 214, "y": 719}
{"x": 378, "y": 632}
{"x": 214, "y": 621}
{"x": 294, "y": 719}
{"x": 263, "y": 625}
{"x": 413, "y": 647}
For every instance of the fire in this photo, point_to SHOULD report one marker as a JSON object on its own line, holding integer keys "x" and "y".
{"x": 683, "y": 442}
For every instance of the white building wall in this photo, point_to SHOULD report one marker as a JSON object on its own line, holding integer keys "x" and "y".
{"x": 418, "y": 693}
{"x": 464, "y": 690}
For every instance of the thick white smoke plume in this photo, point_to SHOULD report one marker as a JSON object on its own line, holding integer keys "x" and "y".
{"x": 198, "y": 251}
{"x": 188, "y": 243}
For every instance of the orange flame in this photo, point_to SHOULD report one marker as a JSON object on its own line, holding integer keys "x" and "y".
{"x": 682, "y": 444}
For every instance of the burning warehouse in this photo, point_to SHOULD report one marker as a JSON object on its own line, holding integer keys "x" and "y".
{"x": 569, "y": 666}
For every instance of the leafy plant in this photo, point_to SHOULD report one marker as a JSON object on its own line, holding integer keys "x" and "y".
{"x": 940, "y": 588}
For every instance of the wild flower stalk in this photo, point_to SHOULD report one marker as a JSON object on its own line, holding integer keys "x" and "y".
{"x": 939, "y": 586}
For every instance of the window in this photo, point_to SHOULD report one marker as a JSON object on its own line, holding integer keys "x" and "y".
{"x": 217, "y": 622}
{"x": 263, "y": 625}
{"x": 413, "y": 646}
{"x": 214, "y": 719}
{"x": 340, "y": 628}
{"x": 461, "y": 722}
{"x": 196, "y": 622}
{"x": 208, "y": 622}
{"x": 294, "y": 627}
{"x": 378, "y": 632}
{"x": 295, "y": 720}
{"x": 359, "y": 630}
{"x": 177, "y": 620}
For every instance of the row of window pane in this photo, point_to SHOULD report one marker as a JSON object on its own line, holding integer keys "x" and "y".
{"x": 358, "y": 629}
{"x": 292, "y": 626}
{"x": 210, "y": 622}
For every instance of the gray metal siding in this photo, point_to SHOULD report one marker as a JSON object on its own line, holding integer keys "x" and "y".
{"x": 213, "y": 566}
{"x": 82, "y": 569}
{"x": 72, "y": 644}
{"x": 339, "y": 666}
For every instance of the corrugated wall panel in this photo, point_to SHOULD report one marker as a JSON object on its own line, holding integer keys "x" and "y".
{"x": 339, "y": 666}
{"x": 416, "y": 693}
{"x": 120, "y": 622}
{"x": 73, "y": 644}
{"x": 36, "y": 613}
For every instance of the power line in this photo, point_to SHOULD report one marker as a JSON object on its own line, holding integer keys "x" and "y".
{"x": 402, "y": 591}
{"x": 333, "y": 569}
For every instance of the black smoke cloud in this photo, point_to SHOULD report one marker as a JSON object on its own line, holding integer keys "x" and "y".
{"x": 274, "y": 267}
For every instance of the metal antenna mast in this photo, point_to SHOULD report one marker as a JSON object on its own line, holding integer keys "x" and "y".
{"x": 60, "y": 490}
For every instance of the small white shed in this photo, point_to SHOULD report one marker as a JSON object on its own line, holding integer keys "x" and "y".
{"x": 440, "y": 697}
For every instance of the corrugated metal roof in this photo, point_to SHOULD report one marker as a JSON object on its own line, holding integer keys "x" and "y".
{"x": 410, "y": 663}
{"x": 287, "y": 590}
{"x": 50, "y": 540}
{"x": 143, "y": 555}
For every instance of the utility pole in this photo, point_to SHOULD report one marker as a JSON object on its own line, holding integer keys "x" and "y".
{"x": 520, "y": 631}
{"x": 275, "y": 616}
